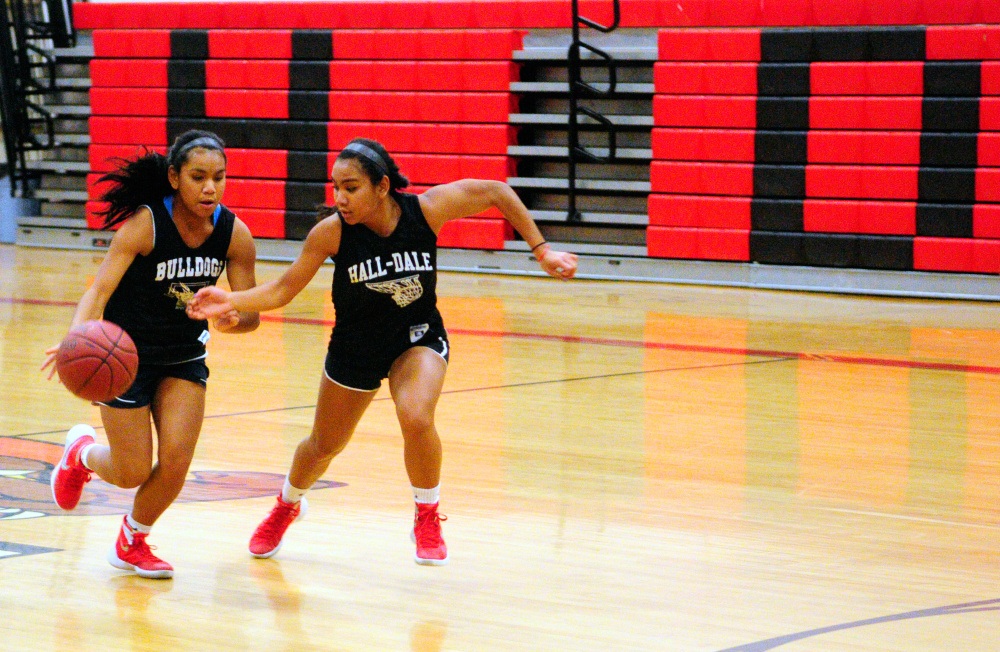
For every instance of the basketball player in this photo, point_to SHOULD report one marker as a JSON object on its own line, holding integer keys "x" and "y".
{"x": 383, "y": 244}
{"x": 175, "y": 237}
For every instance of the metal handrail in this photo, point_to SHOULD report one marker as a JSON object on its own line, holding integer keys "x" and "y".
{"x": 10, "y": 111}
{"x": 48, "y": 120}
{"x": 612, "y": 70}
{"x": 22, "y": 24}
{"x": 49, "y": 62}
{"x": 577, "y": 18}
{"x": 579, "y": 89}
{"x": 612, "y": 140}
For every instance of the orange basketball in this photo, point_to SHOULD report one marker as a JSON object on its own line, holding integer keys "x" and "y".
{"x": 97, "y": 361}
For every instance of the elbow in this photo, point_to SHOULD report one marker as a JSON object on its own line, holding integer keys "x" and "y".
{"x": 500, "y": 190}
{"x": 247, "y": 322}
{"x": 250, "y": 321}
{"x": 498, "y": 194}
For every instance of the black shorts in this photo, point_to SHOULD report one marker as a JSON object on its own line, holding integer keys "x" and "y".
{"x": 363, "y": 368}
{"x": 148, "y": 378}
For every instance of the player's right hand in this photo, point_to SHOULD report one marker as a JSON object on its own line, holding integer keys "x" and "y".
{"x": 559, "y": 264}
{"x": 209, "y": 302}
{"x": 50, "y": 359}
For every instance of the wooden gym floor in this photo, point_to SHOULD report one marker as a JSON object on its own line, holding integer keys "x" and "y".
{"x": 627, "y": 467}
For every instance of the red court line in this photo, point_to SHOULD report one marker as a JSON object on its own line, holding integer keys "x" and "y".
{"x": 667, "y": 346}
{"x": 37, "y": 302}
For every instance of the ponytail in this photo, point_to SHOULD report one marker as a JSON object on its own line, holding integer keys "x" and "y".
{"x": 144, "y": 180}
{"x": 135, "y": 183}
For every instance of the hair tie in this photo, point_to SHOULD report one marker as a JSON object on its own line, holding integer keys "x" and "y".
{"x": 370, "y": 154}
{"x": 202, "y": 141}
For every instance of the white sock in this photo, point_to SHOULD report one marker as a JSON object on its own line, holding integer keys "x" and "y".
{"x": 426, "y": 496}
{"x": 137, "y": 526}
{"x": 83, "y": 456}
{"x": 291, "y": 494}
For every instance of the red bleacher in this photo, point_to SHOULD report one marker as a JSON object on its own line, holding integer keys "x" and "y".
{"x": 533, "y": 14}
{"x": 858, "y": 144}
{"x": 438, "y": 100}
{"x": 362, "y": 45}
{"x": 344, "y": 105}
{"x": 447, "y": 68}
{"x": 395, "y": 136}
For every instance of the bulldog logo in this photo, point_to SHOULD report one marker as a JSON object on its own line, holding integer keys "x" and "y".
{"x": 183, "y": 292}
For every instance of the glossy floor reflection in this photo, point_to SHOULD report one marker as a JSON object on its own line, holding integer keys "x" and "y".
{"x": 627, "y": 467}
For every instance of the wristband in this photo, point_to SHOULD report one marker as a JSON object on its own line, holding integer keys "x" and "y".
{"x": 539, "y": 250}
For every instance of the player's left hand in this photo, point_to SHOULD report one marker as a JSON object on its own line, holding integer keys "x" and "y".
{"x": 226, "y": 321}
{"x": 560, "y": 264}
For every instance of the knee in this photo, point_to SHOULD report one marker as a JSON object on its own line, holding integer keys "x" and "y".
{"x": 415, "y": 422}
{"x": 325, "y": 448}
{"x": 130, "y": 478}
{"x": 174, "y": 465}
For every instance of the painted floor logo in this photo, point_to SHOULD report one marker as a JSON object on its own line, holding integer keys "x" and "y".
{"x": 10, "y": 549}
{"x": 25, "y": 468}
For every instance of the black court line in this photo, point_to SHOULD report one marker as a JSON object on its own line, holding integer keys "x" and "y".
{"x": 467, "y": 390}
{"x": 666, "y": 346}
{"x": 778, "y": 641}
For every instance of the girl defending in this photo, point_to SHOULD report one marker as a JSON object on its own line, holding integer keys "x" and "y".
{"x": 383, "y": 244}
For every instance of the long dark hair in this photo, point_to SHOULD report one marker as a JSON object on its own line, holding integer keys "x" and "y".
{"x": 375, "y": 162}
{"x": 143, "y": 180}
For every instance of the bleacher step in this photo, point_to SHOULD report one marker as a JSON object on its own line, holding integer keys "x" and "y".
{"x": 76, "y": 52}
{"x": 547, "y": 151}
{"x": 61, "y": 166}
{"x": 585, "y": 248}
{"x": 52, "y": 222}
{"x": 72, "y": 139}
{"x": 563, "y": 120}
{"x": 581, "y": 184}
{"x": 62, "y": 195}
{"x": 625, "y": 88}
{"x": 561, "y": 53}
{"x": 73, "y": 83}
{"x": 629, "y": 219}
{"x": 68, "y": 109}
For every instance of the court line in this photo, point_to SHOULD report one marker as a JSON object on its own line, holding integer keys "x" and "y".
{"x": 552, "y": 381}
{"x": 905, "y": 517}
{"x": 667, "y": 346}
{"x": 38, "y": 302}
{"x": 692, "y": 348}
{"x": 948, "y": 610}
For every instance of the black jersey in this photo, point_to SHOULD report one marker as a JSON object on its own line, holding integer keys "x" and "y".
{"x": 384, "y": 286}
{"x": 149, "y": 302}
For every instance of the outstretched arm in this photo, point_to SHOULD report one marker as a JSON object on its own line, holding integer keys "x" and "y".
{"x": 323, "y": 241}
{"x": 472, "y": 196}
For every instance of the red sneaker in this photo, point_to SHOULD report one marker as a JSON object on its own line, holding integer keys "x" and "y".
{"x": 431, "y": 549}
{"x": 266, "y": 539}
{"x": 68, "y": 477}
{"x": 131, "y": 552}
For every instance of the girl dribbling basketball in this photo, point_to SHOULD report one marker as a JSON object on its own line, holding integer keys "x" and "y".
{"x": 383, "y": 244}
{"x": 175, "y": 237}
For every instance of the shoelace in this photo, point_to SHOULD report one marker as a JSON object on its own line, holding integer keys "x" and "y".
{"x": 428, "y": 529}
{"x": 77, "y": 478}
{"x": 281, "y": 515}
{"x": 143, "y": 549}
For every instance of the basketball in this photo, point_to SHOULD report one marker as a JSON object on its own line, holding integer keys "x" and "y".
{"x": 97, "y": 361}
